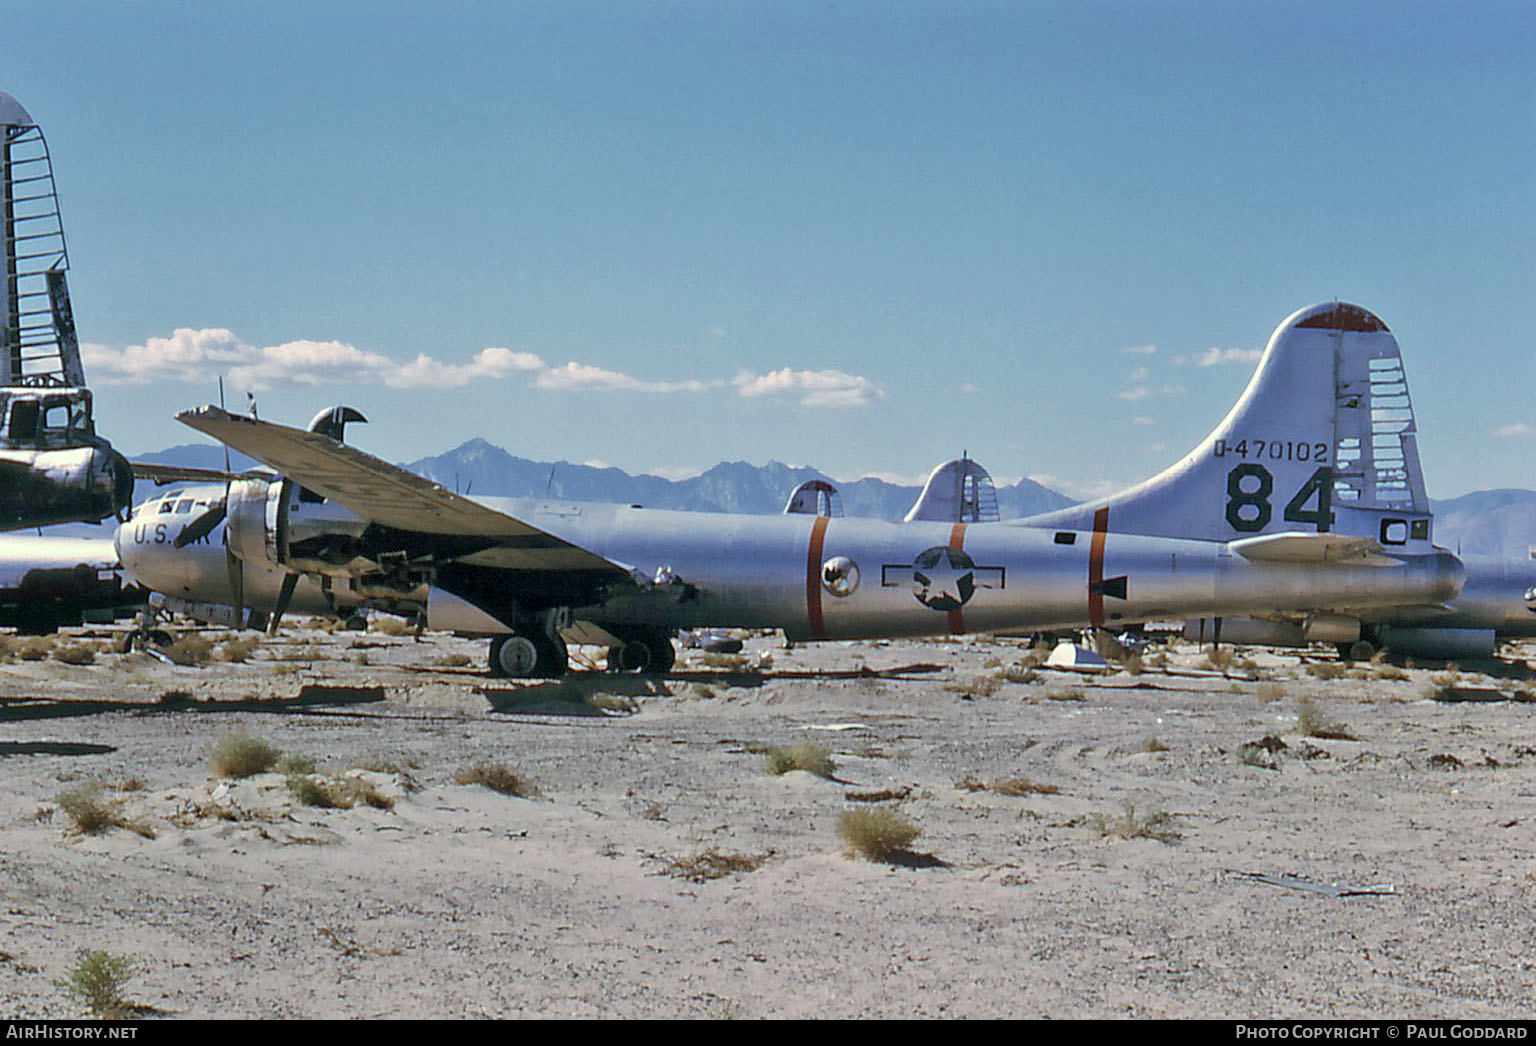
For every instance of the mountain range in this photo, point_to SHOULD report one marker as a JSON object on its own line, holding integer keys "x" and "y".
{"x": 1487, "y": 522}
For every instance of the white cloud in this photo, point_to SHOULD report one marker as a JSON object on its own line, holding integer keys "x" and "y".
{"x": 584, "y": 376}
{"x": 199, "y": 356}
{"x": 1518, "y": 429}
{"x": 1139, "y": 350}
{"x": 1143, "y": 392}
{"x": 1214, "y": 357}
{"x": 814, "y": 388}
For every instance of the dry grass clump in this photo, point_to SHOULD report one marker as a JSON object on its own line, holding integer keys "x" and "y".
{"x": 497, "y": 778}
{"x": 1328, "y": 669}
{"x": 390, "y": 625}
{"x": 1391, "y": 672}
{"x": 1131, "y": 825}
{"x": 91, "y": 813}
{"x": 1312, "y": 721}
{"x": 976, "y": 686}
{"x": 1069, "y": 693}
{"x": 35, "y": 648}
{"x": 191, "y": 650}
{"x": 1152, "y": 744}
{"x": 876, "y": 833}
{"x": 1020, "y": 673}
{"x": 1015, "y": 786}
{"x": 76, "y": 654}
{"x": 1219, "y": 659}
{"x": 802, "y": 755}
{"x": 237, "y": 650}
{"x": 1269, "y": 692}
{"x": 455, "y": 660}
{"x": 617, "y": 704}
{"x": 713, "y": 864}
{"x": 97, "y": 980}
{"x": 343, "y": 794}
{"x": 241, "y": 755}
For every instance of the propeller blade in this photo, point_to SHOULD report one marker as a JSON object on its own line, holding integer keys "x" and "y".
{"x": 201, "y": 527}
{"x": 236, "y": 568}
{"x": 284, "y": 597}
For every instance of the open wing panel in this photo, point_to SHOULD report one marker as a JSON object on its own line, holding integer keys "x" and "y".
{"x": 394, "y": 497}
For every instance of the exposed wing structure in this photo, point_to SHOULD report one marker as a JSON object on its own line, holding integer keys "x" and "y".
{"x": 163, "y": 474}
{"x": 394, "y": 497}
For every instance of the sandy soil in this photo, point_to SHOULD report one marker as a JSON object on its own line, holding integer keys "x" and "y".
{"x": 462, "y": 902}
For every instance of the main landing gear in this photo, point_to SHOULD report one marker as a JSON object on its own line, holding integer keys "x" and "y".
{"x": 536, "y": 651}
{"x": 524, "y": 656}
{"x": 649, "y": 653}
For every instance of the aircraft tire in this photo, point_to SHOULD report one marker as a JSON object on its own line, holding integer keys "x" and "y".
{"x": 660, "y": 656}
{"x": 514, "y": 657}
{"x": 1359, "y": 650}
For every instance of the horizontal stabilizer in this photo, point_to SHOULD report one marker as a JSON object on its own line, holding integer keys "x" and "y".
{"x": 1293, "y": 547}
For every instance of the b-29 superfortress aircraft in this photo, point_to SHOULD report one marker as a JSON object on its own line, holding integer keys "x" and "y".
{"x": 1305, "y": 502}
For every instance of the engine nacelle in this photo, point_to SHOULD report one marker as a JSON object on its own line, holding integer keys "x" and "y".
{"x": 270, "y": 523}
{"x": 1450, "y": 644}
{"x": 1248, "y": 631}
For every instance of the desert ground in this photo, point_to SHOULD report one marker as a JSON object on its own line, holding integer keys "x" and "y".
{"x": 1173, "y": 841}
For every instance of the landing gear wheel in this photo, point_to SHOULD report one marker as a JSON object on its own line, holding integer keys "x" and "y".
{"x": 514, "y": 656}
{"x": 1359, "y": 650}
{"x": 650, "y": 655}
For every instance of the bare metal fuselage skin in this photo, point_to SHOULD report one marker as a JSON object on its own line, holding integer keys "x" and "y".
{"x": 47, "y": 581}
{"x": 771, "y": 572}
{"x": 40, "y": 487}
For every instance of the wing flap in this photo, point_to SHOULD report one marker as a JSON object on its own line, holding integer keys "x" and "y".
{"x": 1297, "y": 547}
{"x": 392, "y": 496}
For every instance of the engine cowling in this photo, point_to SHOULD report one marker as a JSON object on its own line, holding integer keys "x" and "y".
{"x": 270, "y": 523}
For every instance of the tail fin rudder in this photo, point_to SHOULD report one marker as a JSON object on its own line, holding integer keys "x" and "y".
{"x": 1322, "y": 441}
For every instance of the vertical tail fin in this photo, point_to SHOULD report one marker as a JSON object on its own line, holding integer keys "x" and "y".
{"x": 1322, "y": 441}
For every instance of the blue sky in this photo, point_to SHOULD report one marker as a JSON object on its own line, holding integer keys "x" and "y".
{"x": 860, "y": 236}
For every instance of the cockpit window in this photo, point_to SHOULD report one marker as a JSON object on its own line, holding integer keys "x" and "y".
{"x": 184, "y": 505}
{"x": 168, "y": 505}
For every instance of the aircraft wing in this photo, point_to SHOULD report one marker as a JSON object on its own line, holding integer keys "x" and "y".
{"x": 394, "y": 497}
{"x": 1299, "y": 547}
{"x": 163, "y": 474}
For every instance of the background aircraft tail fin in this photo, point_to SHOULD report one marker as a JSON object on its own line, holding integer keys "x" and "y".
{"x": 1322, "y": 441}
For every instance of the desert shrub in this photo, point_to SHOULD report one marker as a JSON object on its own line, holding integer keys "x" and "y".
{"x": 1219, "y": 659}
{"x": 97, "y": 980}
{"x": 976, "y": 686}
{"x": 190, "y": 650}
{"x": 1328, "y": 669}
{"x": 802, "y": 755}
{"x": 1152, "y": 744}
{"x": 35, "y": 648}
{"x": 1068, "y": 693}
{"x": 1132, "y": 825}
{"x": 238, "y": 651}
{"x": 86, "y": 807}
{"x": 295, "y": 763}
{"x": 76, "y": 654}
{"x": 1312, "y": 721}
{"x": 390, "y": 625}
{"x": 1022, "y": 786}
{"x": 497, "y": 778}
{"x": 876, "y": 833}
{"x": 712, "y": 864}
{"x": 241, "y": 755}
{"x": 1020, "y": 673}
